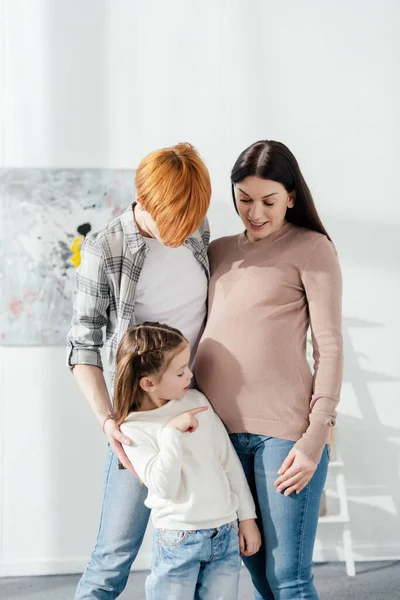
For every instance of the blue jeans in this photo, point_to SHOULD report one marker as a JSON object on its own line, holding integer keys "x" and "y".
{"x": 282, "y": 570}
{"x": 200, "y": 565}
{"x": 122, "y": 527}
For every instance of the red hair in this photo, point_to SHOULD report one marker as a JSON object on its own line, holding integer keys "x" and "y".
{"x": 173, "y": 186}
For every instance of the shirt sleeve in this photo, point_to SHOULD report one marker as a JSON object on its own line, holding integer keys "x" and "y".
{"x": 234, "y": 470}
{"x": 159, "y": 468}
{"x": 322, "y": 282}
{"x": 90, "y": 312}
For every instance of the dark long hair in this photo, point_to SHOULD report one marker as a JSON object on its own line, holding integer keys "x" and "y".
{"x": 273, "y": 160}
{"x": 146, "y": 349}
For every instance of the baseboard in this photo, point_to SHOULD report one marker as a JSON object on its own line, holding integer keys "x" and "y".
{"x": 70, "y": 566}
{"x": 60, "y": 567}
{"x": 362, "y": 552}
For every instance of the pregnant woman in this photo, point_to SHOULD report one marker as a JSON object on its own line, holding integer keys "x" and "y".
{"x": 268, "y": 285}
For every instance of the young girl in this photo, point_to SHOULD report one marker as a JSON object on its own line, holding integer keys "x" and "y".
{"x": 197, "y": 489}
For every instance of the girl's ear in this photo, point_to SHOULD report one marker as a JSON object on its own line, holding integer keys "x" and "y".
{"x": 146, "y": 384}
{"x": 292, "y": 199}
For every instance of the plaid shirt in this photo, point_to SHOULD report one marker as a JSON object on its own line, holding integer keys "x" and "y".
{"x": 111, "y": 263}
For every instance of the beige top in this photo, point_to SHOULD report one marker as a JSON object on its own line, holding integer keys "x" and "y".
{"x": 251, "y": 362}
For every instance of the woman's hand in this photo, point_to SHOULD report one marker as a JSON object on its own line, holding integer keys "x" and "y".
{"x": 116, "y": 439}
{"x": 249, "y": 537}
{"x": 295, "y": 473}
{"x": 187, "y": 422}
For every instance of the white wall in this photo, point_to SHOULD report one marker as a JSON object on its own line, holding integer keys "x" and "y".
{"x": 91, "y": 83}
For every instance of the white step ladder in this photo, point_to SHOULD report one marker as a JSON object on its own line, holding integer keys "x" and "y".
{"x": 335, "y": 470}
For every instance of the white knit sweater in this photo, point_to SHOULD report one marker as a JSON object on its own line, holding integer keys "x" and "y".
{"x": 194, "y": 480}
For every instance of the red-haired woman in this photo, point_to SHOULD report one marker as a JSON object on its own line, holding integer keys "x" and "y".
{"x": 131, "y": 272}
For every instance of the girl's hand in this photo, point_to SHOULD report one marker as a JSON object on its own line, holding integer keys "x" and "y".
{"x": 249, "y": 537}
{"x": 116, "y": 439}
{"x": 295, "y": 473}
{"x": 187, "y": 422}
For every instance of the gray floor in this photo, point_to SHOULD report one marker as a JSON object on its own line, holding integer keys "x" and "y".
{"x": 374, "y": 581}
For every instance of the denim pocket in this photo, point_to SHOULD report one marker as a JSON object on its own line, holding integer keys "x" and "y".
{"x": 235, "y": 525}
{"x": 171, "y": 537}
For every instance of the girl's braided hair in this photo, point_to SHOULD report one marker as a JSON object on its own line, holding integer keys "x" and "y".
{"x": 145, "y": 350}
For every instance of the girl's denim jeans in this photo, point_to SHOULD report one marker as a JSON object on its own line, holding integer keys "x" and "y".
{"x": 195, "y": 565}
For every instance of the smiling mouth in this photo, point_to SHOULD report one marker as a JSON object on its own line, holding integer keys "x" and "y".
{"x": 257, "y": 225}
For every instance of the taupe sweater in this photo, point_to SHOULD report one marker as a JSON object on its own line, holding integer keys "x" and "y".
{"x": 251, "y": 362}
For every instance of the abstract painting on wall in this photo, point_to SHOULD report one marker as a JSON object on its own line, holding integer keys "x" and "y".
{"x": 45, "y": 215}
